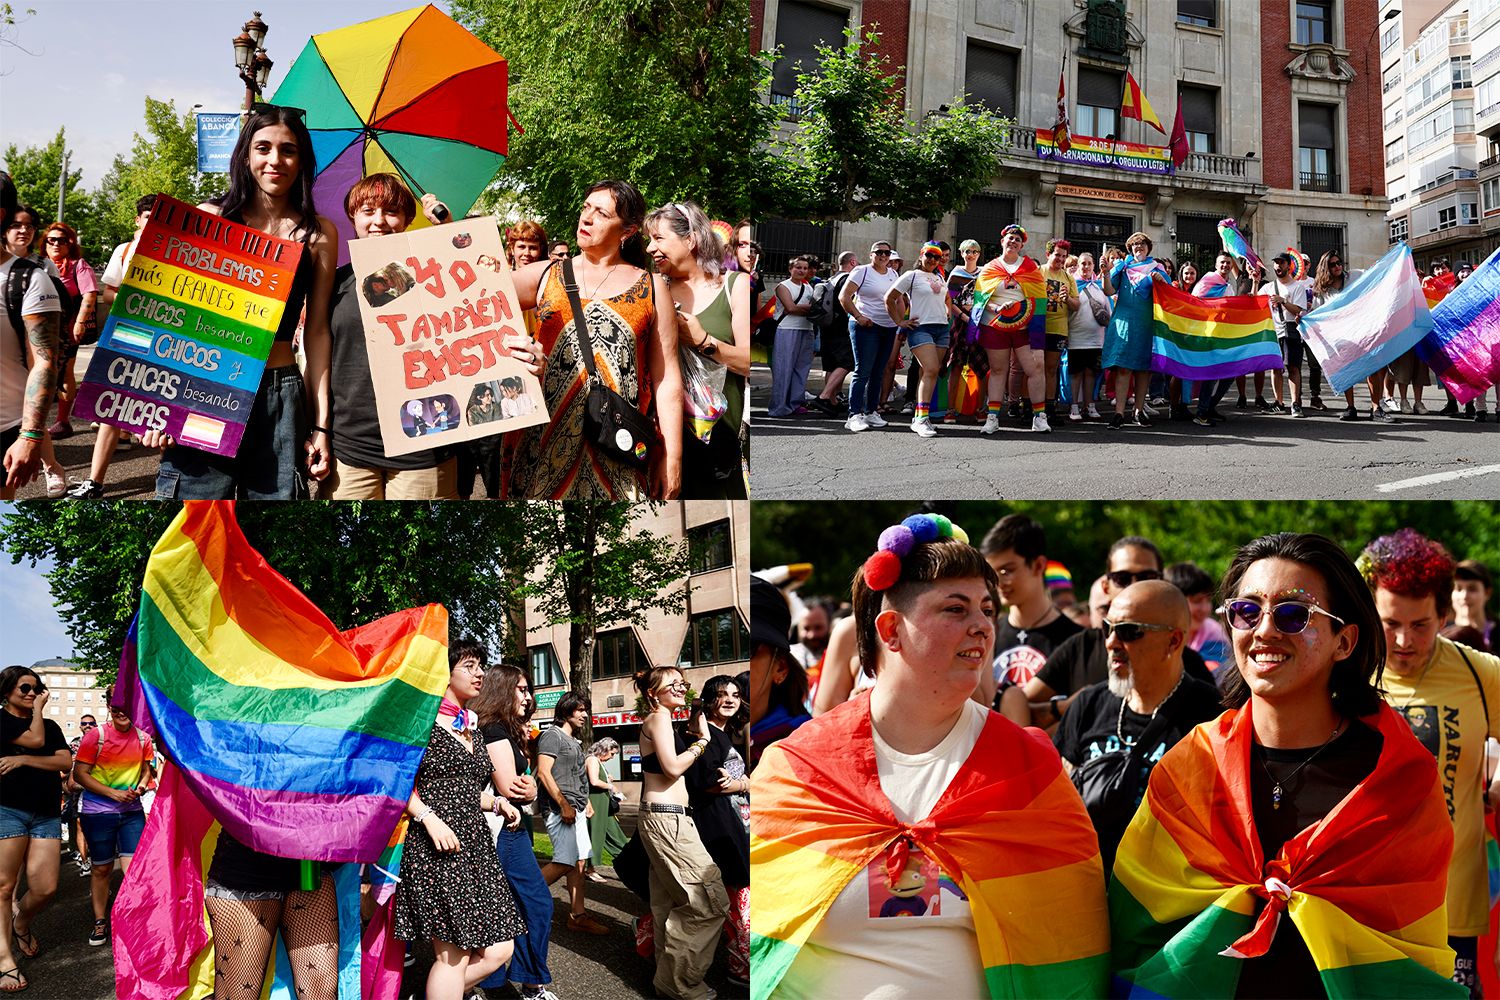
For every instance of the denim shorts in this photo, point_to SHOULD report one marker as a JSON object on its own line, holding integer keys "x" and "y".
{"x": 21, "y": 823}
{"x": 112, "y": 834}
{"x": 270, "y": 464}
{"x": 929, "y": 333}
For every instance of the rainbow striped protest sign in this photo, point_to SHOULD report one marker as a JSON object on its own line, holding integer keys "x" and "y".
{"x": 187, "y": 340}
{"x": 1103, "y": 153}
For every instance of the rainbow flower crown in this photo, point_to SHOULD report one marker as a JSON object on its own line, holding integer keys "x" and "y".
{"x": 883, "y": 569}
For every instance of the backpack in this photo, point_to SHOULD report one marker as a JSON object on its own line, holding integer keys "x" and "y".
{"x": 822, "y": 312}
{"x": 16, "y": 282}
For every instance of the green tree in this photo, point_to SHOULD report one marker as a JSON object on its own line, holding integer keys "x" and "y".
{"x": 656, "y": 92}
{"x": 853, "y": 153}
{"x": 36, "y": 170}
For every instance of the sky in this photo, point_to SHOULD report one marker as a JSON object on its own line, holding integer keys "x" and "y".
{"x": 35, "y": 632}
{"x": 88, "y": 65}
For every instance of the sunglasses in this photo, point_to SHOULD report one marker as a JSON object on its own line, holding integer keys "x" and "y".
{"x": 261, "y": 106}
{"x": 1288, "y": 617}
{"x": 932, "y": 256}
{"x": 87, "y": 725}
{"x": 58, "y": 239}
{"x": 1124, "y": 578}
{"x": 1133, "y": 631}
{"x": 28, "y": 688}
{"x": 882, "y": 253}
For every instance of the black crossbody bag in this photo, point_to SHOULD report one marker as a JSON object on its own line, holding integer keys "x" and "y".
{"x": 610, "y": 423}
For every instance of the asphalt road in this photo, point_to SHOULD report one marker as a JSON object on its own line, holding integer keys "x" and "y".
{"x": 584, "y": 967}
{"x": 1251, "y": 456}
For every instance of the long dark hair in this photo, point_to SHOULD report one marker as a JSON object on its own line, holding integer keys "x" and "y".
{"x": 631, "y": 208}
{"x": 1353, "y": 682}
{"x": 496, "y": 702}
{"x": 242, "y": 186}
{"x": 705, "y": 702}
{"x": 11, "y": 676}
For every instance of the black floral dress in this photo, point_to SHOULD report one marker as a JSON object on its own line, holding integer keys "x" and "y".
{"x": 462, "y": 898}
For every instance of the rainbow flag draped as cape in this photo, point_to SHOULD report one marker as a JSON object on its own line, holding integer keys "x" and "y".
{"x": 299, "y": 740}
{"x": 1009, "y": 828}
{"x": 1029, "y": 314}
{"x": 1203, "y": 339}
{"x": 1463, "y": 348}
{"x": 1364, "y": 887}
{"x": 1377, "y": 318}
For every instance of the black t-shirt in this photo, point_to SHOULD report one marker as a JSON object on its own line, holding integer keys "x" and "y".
{"x": 28, "y": 788}
{"x": 1287, "y": 969}
{"x": 352, "y": 414}
{"x": 493, "y": 734}
{"x": 1020, "y": 653}
{"x": 1082, "y": 660}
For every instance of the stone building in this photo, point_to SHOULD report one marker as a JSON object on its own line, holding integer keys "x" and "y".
{"x": 74, "y": 695}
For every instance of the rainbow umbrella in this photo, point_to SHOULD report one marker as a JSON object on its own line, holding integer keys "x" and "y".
{"x": 412, "y": 93}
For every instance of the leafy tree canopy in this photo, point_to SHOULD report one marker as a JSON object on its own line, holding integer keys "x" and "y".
{"x": 36, "y": 170}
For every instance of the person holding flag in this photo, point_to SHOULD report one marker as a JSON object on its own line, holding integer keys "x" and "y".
{"x": 1127, "y": 343}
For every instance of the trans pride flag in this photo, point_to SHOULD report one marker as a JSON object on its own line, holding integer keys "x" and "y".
{"x": 1463, "y": 348}
{"x": 1009, "y": 828}
{"x": 297, "y": 739}
{"x": 1202, "y": 339}
{"x": 1364, "y": 886}
{"x": 1380, "y": 316}
{"x": 1029, "y": 313}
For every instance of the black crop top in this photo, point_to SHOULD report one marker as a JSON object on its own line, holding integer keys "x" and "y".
{"x": 650, "y": 764}
{"x": 301, "y": 282}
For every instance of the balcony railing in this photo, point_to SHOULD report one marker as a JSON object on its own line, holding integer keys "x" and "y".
{"x": 1023, "y": 143}
{"x": 1318, "y": 182}
{"x": 1489, "y": 162}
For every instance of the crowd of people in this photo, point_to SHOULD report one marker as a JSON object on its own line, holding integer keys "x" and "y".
{"x": 666, "y": 304}
{"x": 1063, "y": 337}
{"x": 1255, "y": 777}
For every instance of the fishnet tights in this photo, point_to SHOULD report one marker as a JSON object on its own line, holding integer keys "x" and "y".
{"x": 243, "y": 931}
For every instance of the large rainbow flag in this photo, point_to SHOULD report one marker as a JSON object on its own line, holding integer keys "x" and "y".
{"x": 1202, "y": 339}
{"x": 297, "y": 739}
{"x": 1364, "y": 887}
{"x": 1378, "y": 317}
{"x": 1010, "y": 832}
{"x": 1463, "y": 348}
{"x": 1029, "y": 313}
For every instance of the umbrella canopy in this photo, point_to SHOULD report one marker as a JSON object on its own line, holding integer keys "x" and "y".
{"x": 412, "y": 93}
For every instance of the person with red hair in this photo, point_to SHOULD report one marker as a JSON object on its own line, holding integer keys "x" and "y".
{"x": 60, "y": 242}
{"x": 1450, "y": 696}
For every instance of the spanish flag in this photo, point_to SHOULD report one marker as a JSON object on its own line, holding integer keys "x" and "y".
{"x": 1010, "y": 833}
{"x": 1192, "y": 895}
{"x": 1134, "y": 105}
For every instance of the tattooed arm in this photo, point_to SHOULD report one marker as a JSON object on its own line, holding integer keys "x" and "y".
{"x": 23, "y": 457}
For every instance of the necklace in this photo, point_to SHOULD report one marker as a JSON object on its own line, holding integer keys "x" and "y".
{"x": 1276, "y": 783}
{"x": 1417, "y": 684}
{"x": 602, "y": 280}
{"x": 1022, "y": 632}
{"x": 1120, "y": 722}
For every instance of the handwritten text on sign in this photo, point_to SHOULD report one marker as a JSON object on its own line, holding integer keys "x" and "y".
{"x": 187, "y": 339}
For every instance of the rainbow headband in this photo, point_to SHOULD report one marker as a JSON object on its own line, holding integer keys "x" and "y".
{"x": 1013, "y": 228}
{"x": 883, "y": 569}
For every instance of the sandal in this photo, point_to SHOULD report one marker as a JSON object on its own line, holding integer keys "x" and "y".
{"x": 24, "y": 942}
{"x": 9, "y": 976}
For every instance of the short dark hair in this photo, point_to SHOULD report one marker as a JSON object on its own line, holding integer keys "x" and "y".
{"x": 11, "y": 676}
{"x": 1016, "y": 533}
{"x": 1190, "y": 578}
{"x": 145, "y": 203}
{"x": 465, "y": 648}
{"x": 791, "y": 692}
{"x": 712, "y": 689}
{"x": 569, "y": 703}
{"x": 1137, "y": 542}
{"x": 926, "y": 563}
{"x": 1354, "y": 681}
{"x": 1473, "y": 569}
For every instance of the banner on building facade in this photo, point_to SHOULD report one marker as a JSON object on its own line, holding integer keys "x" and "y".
{"x": 1093, "y": 152}
{"x": 187, "y": 339}
{"x": 217, "y": 134}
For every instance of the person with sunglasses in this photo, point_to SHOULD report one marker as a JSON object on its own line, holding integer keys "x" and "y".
{"x": 1118, "y": 729}
{"x": 30, "y": 343}
{"x": 33, "y": 758}
{"x": 1450, "y": 696}
{"x": 115, "y": 765}
{"x": 928, "y": 312}
{"x": 74, "y": 792}
{"x": 60, "y": 243}
{"x": 1297, "y": 845}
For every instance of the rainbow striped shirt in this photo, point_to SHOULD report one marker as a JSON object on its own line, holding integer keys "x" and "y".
{"x": 120, "y": 760}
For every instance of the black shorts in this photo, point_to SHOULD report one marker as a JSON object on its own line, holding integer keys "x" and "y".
{"x": 838, "y": 350}
{"x": 1084, "y": 359}
{"x": 1056, "y": 344}
{"x": 1291, "y": 349}
{"x": 240, "y": 872}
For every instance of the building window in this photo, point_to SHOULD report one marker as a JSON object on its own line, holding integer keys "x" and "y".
{"x": 1099, "y": 95}
{"x": 1391, "y": 38}
{"x": 1198, "y": 239}
{"x": 1390, "y": 79}
{"x": 708, "y": 544}
{"x": 545, "y": 670}
{"x": 1447, "y": 217}
{"x": 1314, "y": 22}
{"x": 1458, "y": 29}
{"x": 1319, "y": 239}
{"x": 1393, "y": 116}
{"x": 72, "y": 710}
{"x": 1198, "y": 12}
{"x": 990, "y": 78}
{"x": 1200, "y": 116}
{"x": 781, "y": 240}
{"x": 1398, "y": 230}
{"x": 1393, "y": 154}
{"x": 983, "y": 218}
{"x": 1491, "y": 191}
{"x": 618, "y": 653}
{"x": 1316, "y": 150}
{"x": 800, "y": 29}
{"x": 715, "y": 637}
{"x": 1461, "y": 76}
{"x": 1468, "y": 213}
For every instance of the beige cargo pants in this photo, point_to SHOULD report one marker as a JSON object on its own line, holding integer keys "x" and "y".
{"x": 688, "y": 903}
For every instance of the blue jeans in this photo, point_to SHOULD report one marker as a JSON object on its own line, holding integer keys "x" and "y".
{"x": 528, "y": 965}
{"x": 269, "y": 464}
{"x": 872, "y": 349}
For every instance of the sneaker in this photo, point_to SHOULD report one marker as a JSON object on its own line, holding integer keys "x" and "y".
{"x": 1242, "y": 404}
{"x": 1074, "y": 415}
{"x": 1405, "y": 407}
{"x": 99, "y": 936}
{"x": 1202, "y": 420}
{"x": 60, "y": 430}
{"x": 1479, "y": 416}
{"x": 908, "y": 409}
{"x": 1349, "y": 415}
{"x": 1419, "y": 409}
{"x": 127, "y": 442}
{"x": 86, "y": 490}
{"x": 57, "y": 485}
{"x": 1117, "y": 421}
{"x": 1390, "y": 405}
{"x": 821, "y": 405}
{"x": 1142, "y": 418}
{"x": 1015, "y": 408}
{"x": 875, "y": 420}
{"x": 1381, "y": 415}
{"x": 586, "y": 924}
{"x": 83, "y": 869}
{"x": 1039, "y": 424}
{"x": 991, "y": 424}
{"x": 1318, "y": 404}
{"x": 1297, "y": 410}
{"x": 923, "y": 428}
{"x": 1149, "y": 410}
{"x": 1262, "y": 405}
{"x": 857, "y": 422}
{"x": 1181, "y": 412}
{"x": 541, "y": 993}
{"x": 1155, "y": 402}
{"x": 1281, "y": 408}
{"x": 1451, "y": 410}
{"x": 1092, "y": 413}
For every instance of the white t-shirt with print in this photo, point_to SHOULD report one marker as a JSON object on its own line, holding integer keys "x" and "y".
{"x": 40, "y": 298}
{"x": 876, "y": 945}
{"x": 1294, "y": 292}
{"x": 928, "y": 294}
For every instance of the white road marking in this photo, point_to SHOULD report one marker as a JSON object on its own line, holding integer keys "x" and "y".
{"x": 1436, "y": 477}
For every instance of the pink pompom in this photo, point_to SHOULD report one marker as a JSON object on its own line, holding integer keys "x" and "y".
{"x": 882, "y": 570}
{"x": 898, "y": 539}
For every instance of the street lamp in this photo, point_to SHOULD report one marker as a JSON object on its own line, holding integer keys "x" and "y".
{"x": 251, "y": 59}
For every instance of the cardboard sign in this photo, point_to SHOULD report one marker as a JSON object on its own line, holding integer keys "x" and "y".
{"x": 436, "y": 303}
{"x": 187, "y": 339}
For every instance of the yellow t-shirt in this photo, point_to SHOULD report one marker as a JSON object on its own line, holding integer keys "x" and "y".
{"x": 1060, "y": 285}
{"x": 1446, "y": 714}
